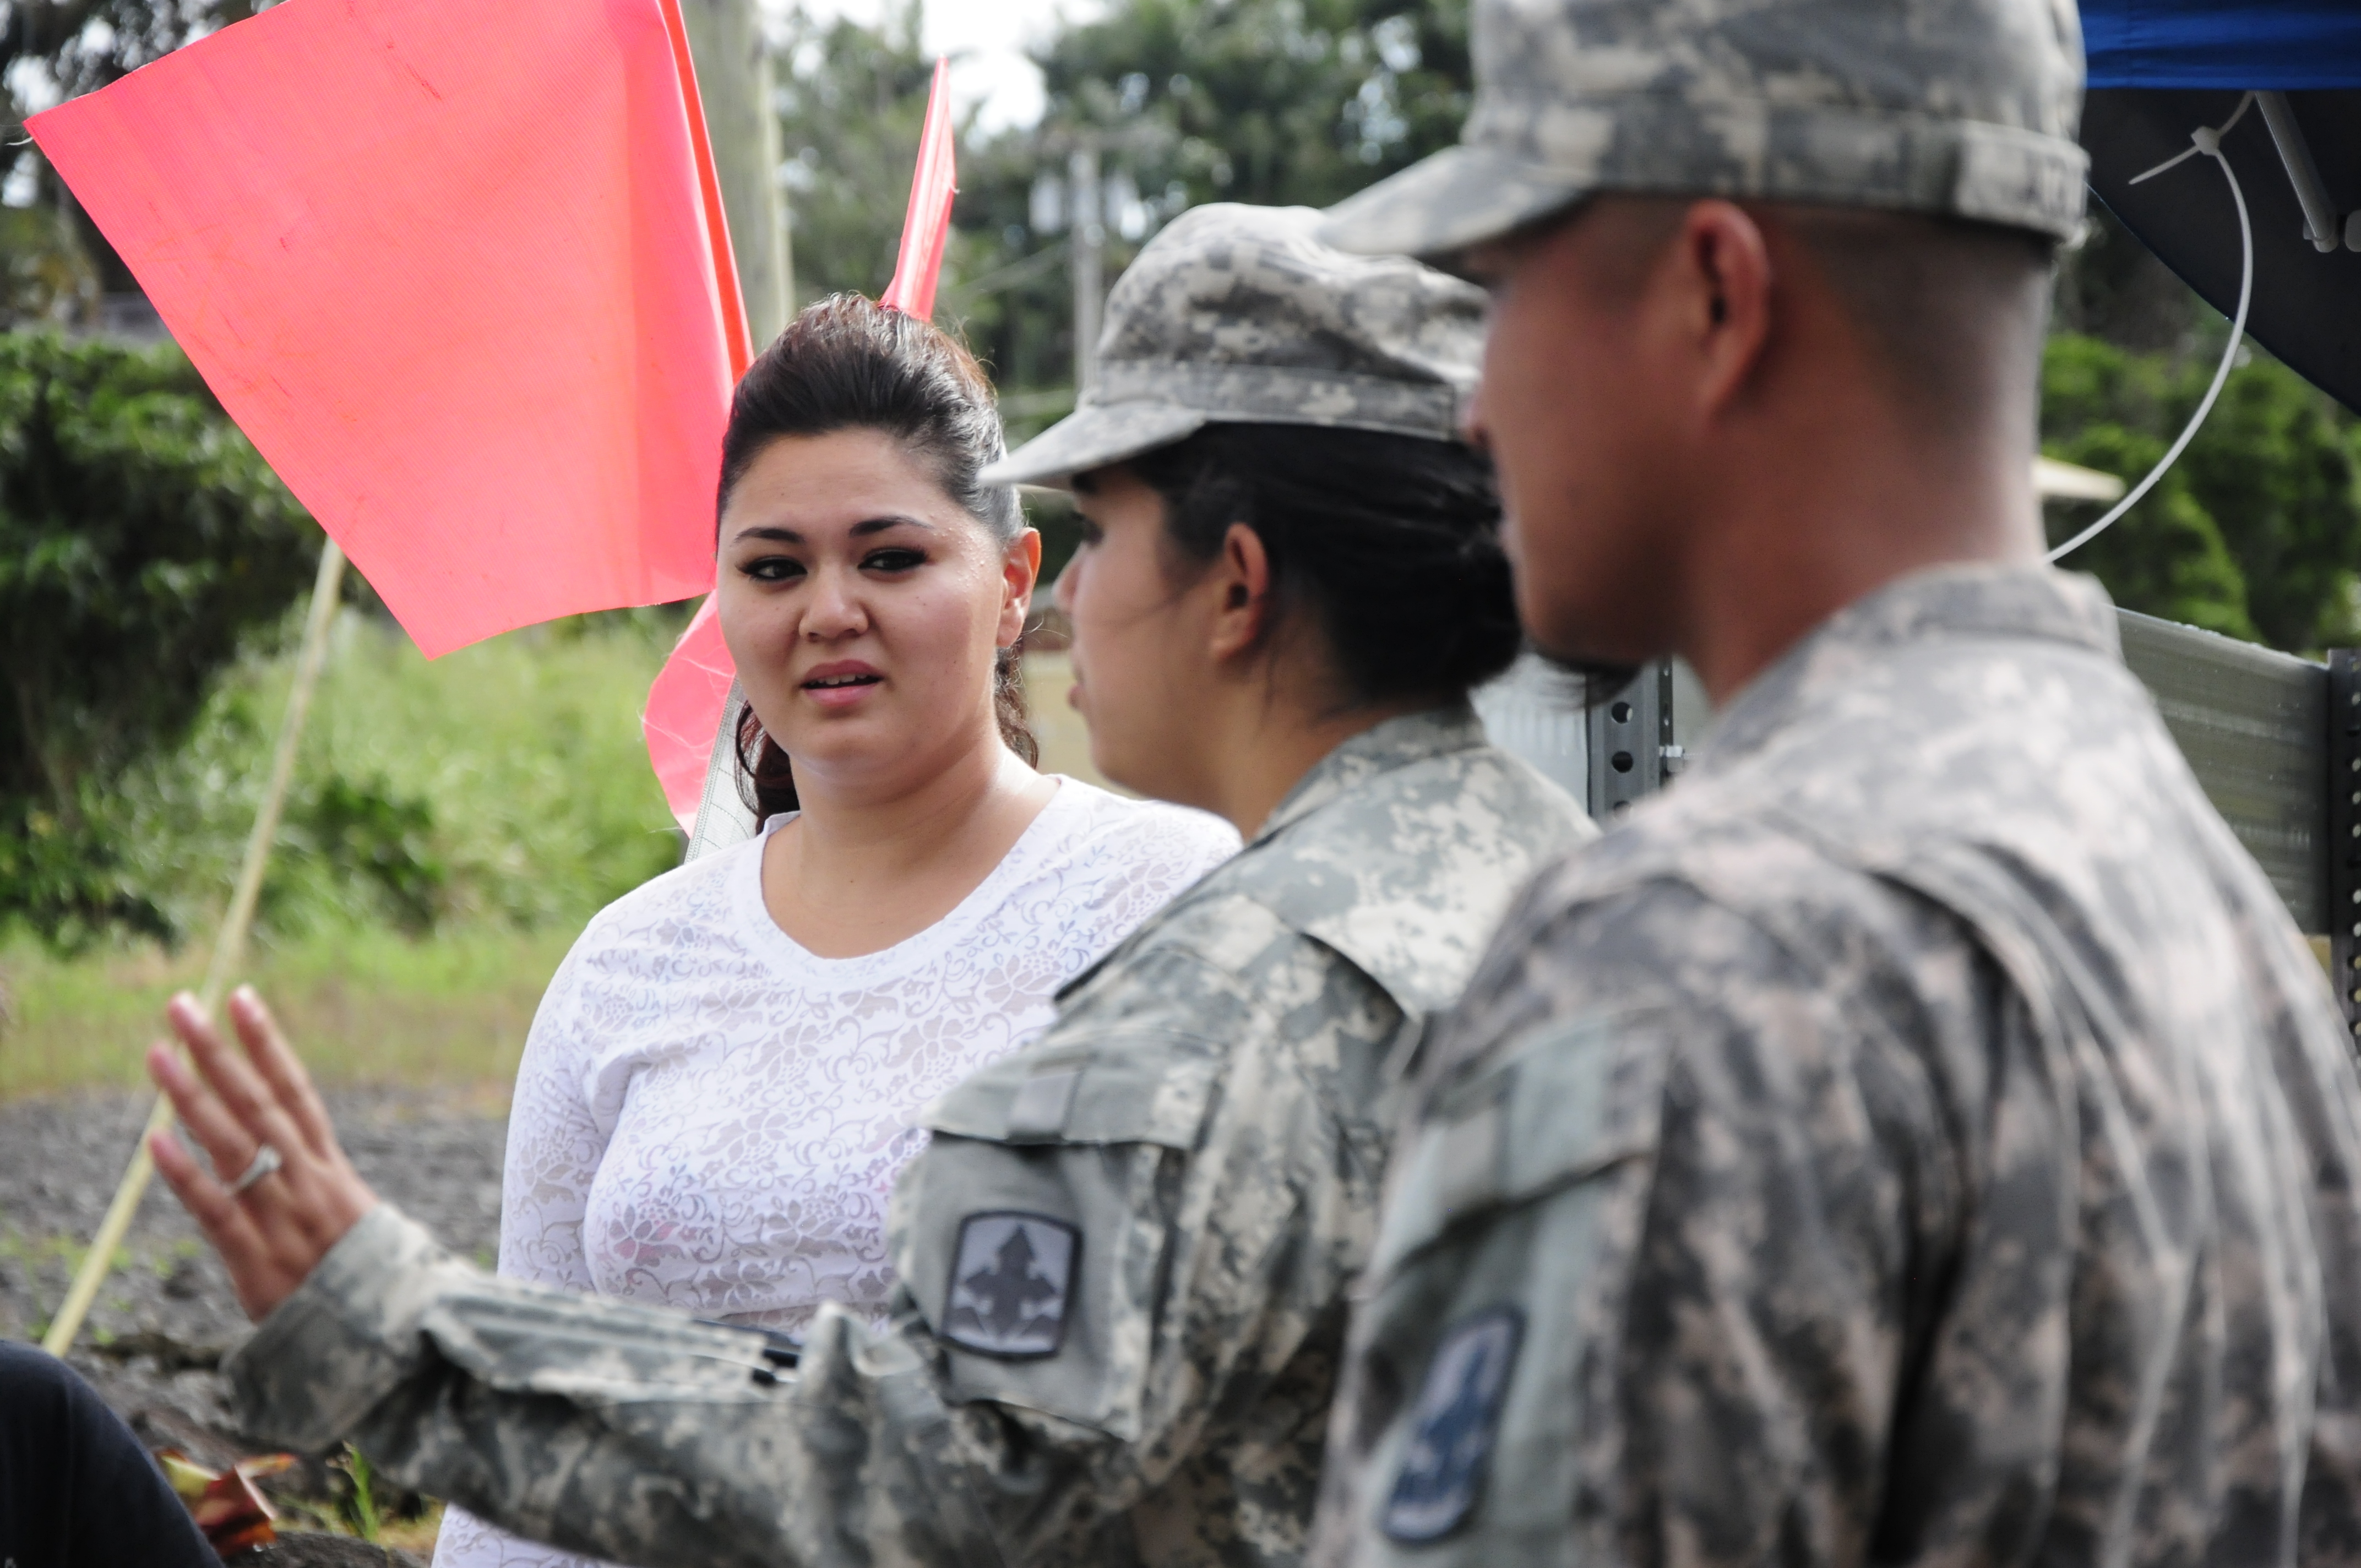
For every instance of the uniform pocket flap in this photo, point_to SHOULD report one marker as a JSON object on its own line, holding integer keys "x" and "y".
{"x": 1573, "y": 1099}
{"x": 1147, "y": 1086}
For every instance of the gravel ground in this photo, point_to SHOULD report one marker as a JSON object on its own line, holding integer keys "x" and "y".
{"x": 166, "y": 1316}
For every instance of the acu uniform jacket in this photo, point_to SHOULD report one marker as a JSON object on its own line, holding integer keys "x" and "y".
{"x": 1923, "y": 1138}
{"x": 1123, "y": 1255}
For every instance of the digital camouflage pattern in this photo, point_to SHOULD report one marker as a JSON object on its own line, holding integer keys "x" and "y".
{"x": 1238, "y": 314}
{"x": 1921, "y": 1136}
{"x": 1964, "y": 107}
{"x": 1183, "y": 1173}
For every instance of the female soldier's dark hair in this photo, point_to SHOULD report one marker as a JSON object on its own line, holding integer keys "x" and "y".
{"x": 1392, "y": 542}
{"x": 847, "y": 363}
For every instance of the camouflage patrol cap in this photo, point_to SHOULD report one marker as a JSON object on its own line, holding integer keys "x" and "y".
{"x": 1237, "y": 315}
{"x": 1962, "y": 107}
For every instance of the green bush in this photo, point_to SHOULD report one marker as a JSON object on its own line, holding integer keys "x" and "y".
{"x": 505, "y": 783}
{"x": 143, "y": 542}
{"x": 2254, "y": 533}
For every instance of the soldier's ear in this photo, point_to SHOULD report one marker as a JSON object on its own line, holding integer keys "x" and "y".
{"x": 1242, "y": 580}
{"x": 1720, "y": 276}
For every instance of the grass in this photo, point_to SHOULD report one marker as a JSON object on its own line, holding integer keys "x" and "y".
{"x": 521, "y": 801}
{"x": 504, "y": 784}
{"x": 363, "y": 1006}
{"x": 453, "y": 825}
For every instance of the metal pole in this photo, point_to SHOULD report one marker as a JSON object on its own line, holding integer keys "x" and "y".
{"x": 229, "y": 947}
{"x": 1089, "y": 241}
{"x": 734, "y": 81}
{"x": 2320, "y": 225}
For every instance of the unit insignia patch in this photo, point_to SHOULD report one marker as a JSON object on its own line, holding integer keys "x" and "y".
{"x": 1456, "y": 1417}
{"x": 1010, "y": 1278}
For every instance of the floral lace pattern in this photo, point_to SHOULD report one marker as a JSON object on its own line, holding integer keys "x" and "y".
{"x": 710, "y": 1116}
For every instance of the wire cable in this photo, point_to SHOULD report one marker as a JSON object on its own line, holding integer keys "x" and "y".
{"x": 2208, "y": 141}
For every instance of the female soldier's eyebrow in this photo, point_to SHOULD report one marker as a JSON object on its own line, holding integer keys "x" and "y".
{"x": 862, "y": 530}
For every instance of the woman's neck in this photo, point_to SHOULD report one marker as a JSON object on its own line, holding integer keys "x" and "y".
{"x": 859, "y": 871}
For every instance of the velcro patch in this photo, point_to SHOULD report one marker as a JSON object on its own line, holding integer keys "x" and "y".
{"x": 1010, "y": 1280}
{"x": 1457, "y": 1419}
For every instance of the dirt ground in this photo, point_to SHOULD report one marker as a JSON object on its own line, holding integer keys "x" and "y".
{"x": 166, "y": 1317}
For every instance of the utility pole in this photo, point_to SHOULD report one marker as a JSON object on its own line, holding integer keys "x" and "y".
{"x": 1089, "y": 242}
{"x": 733, "y": 78}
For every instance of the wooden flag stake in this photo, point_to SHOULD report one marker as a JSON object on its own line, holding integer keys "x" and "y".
{"x": 229, "y": 947}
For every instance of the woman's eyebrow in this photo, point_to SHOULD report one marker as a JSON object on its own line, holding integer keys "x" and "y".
{"x": 860, "y": 530}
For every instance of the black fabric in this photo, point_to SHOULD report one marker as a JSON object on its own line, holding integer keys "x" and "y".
{"x": 76, "y": 1489}
{"x": 2302, "y": 307}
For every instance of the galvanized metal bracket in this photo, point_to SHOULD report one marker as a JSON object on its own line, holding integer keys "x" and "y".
{"x": 1624, "y": 738}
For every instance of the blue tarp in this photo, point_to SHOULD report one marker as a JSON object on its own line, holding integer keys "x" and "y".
{"x": 2290, "y": 45}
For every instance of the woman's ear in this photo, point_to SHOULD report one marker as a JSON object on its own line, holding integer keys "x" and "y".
{"x": 1239, "y": 586}
{"x": 1020, "y": 569}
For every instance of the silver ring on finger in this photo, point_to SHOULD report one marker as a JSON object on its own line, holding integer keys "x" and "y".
{"x": 265, "y": 1161}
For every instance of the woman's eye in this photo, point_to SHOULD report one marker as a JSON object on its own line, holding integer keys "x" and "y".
{"x": 893, "y": 560}
{"x": 1091, "y": 533}
{"x": 774, "y": 569}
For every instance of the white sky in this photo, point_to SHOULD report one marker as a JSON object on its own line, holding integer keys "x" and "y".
{"x": 985, "y": 39}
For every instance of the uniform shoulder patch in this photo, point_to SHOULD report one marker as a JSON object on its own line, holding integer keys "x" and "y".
{"x": 1453, "y": 1424}
{"x": 1012, "y": 1275}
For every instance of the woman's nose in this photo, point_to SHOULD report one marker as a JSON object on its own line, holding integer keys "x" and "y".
{"x": 834, "y": 609}
{"x": 1069, "y": 576}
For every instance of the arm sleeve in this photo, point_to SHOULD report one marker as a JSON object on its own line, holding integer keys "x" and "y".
{"x": 627, "y": 1432}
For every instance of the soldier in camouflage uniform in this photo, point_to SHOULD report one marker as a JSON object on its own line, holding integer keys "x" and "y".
{"x": 1920, "y": 1136}
{"x": 1123, "y": 1257}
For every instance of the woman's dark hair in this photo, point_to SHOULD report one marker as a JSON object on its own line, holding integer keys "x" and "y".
{"x": 847, "y": 363}
{"x": 1392, "y": 542}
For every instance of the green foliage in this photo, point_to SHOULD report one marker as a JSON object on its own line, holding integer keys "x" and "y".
{"x": 504, "y": 784}
{"x": 46, "y": 275}
{"x": 2276, "y": 466}
{"x": 2254, "y": 533}
{"x": 1189, "y": 101}
{"x": 852, "y": 101}
{"x": 1274, "y": 102}
{"x": 142, "y": 542}
{"x": 359, "y": 1505}
{"x": 378, "y": 842}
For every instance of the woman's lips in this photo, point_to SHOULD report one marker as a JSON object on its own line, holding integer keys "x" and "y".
{"x": 841, "y": 685}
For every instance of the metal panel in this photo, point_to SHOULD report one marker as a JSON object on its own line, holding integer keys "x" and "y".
{"x": 1536, "y": 711}
{"x": 2253, "y": 724}
{"x": 2343, "y": 857}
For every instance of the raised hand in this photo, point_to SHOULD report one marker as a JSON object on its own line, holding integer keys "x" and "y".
{"x": 281, "y": 1193}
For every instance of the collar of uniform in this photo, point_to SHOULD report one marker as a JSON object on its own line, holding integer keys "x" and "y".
{"x": 1396, "y": 743}
{"x": 1968, "y": 603}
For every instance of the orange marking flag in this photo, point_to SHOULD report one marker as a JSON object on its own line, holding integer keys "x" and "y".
{"x": 457, "y": 269}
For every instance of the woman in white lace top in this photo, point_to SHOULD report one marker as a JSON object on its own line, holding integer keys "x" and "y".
{"x": 721, "y": 1083}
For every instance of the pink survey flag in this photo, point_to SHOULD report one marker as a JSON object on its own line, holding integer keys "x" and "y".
{"x": 927, "y": 224}
{"x": 686, "y": 707}
{"x": 690, "y": 698}
{"x": 457, "y": 269}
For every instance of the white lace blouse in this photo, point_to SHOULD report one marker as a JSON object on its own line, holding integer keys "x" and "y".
{"x": 710, "y": 1116}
